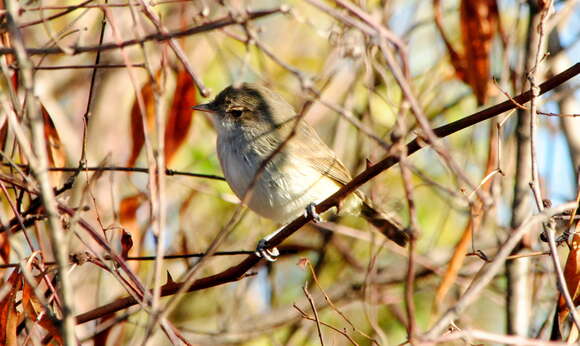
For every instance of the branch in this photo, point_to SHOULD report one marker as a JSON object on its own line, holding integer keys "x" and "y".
{"x": 122, "y": 169}
{"x": 216, "y": 24}
{"x": 36, "y": 154}
{"x": 488, "y": 272}
{"x": 237, "y": 272}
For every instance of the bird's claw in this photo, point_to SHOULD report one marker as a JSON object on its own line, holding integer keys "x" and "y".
{"x": 311, "y": 212}
{"x": 269, "y": 254}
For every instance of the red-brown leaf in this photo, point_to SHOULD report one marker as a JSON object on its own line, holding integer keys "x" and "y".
{"x": 137, "y": 134}
{"x": 572, "y": 276}
{"x": 4, "y": 247}
{"x": 180, "y": 114}
{"x": 3, "y": 134}
{"x": 33, "y": 309}
{"x": 8, "y": 314}
{"x": 455, "y": 57}
{"x": 54, "y": 148}
{"x": 478, "y": 26}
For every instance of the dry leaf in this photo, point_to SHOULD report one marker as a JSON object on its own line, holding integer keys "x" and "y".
{"x": 8, "y": 314}
{"x": 478, "y": 26}
{"x": 35, "y": 311}
{"x": 3, "y": 135}
{"x": 478, "y": 212}
{"x": 456, "y": 59}
{"x": 54, "y": 147}
{"x": 479, "y": 22}
{"x": 137, "y": 134}
{"x": 4, "y": 247}
{"x": 455, "y": 263}
{"x": 180, "y": 114}
{"x": 572, "y": 276}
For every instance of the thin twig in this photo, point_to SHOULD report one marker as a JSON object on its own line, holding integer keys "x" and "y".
{"x": 78, "y": 67}
{"x": 313, "y": 307}
{"x": 332, "y": 305}
{"x": 54, "y": 16}
{"x": 152, "y": 258}
{"x": 489, "y": 270}
{"x": 176, "y": 48}
{"x": 535, "y": 174}
{"x": 562, "y": 115}
{"x": 216, "y": 24}
{"x": 39, "y": 164}
{"x": 86, "y": 115}
{"x": 127, "y": 4}
{"x": 125, "y": 169}
{"x": 304, "y": 315}
{"x": 491, "y": 338}
{"x": 414, "y": 234}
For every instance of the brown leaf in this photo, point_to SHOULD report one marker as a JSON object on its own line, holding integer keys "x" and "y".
{"x": 572, "y": 276}
{"x": 180, "y": 114}
{"x": 456, "y": 59}
{"x": 8, "y": 314}
{"x": 479, "y": 22}
{"x": 478, "y": 26}
{"x": 54, "y": 148}
{"x": 35, "y": 312}
{"x": 137, "y": 134}
{"x": 4, "y": 247}
{"x": 455, "y": 263}
{"x": 478, "y": 213}
{"x": 3, "y": 135}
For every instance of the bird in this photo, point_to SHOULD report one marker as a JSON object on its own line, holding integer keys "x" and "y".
{"x": 277, "y": 163}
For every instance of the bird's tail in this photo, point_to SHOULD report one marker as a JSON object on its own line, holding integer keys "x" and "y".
{"x": 387, "y": 224}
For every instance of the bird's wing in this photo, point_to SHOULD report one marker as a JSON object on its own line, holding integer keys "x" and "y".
{"x": 318, "y": 155}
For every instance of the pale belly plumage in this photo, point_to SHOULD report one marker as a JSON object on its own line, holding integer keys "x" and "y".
{"x": 282, "y": 191}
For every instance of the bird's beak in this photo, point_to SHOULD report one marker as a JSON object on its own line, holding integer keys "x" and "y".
{"x": 207, "y": 107}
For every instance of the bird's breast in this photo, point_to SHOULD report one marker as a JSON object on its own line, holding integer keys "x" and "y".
{"x": 283, "y": 188}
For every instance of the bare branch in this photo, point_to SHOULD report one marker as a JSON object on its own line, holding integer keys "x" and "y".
{"x": 237, "y": 272}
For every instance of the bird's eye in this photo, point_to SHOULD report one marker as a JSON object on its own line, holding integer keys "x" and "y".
{"x": 236, "y": 113}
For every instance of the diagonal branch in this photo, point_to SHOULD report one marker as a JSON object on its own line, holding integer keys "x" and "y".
{"x": 238, "y": 272}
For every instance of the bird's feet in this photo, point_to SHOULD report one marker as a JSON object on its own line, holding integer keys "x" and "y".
{"x": 269, "y": 254}
{"x": 311, "y": 212}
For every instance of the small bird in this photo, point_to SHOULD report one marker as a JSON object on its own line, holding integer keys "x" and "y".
{"x": 255, "y": 124}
